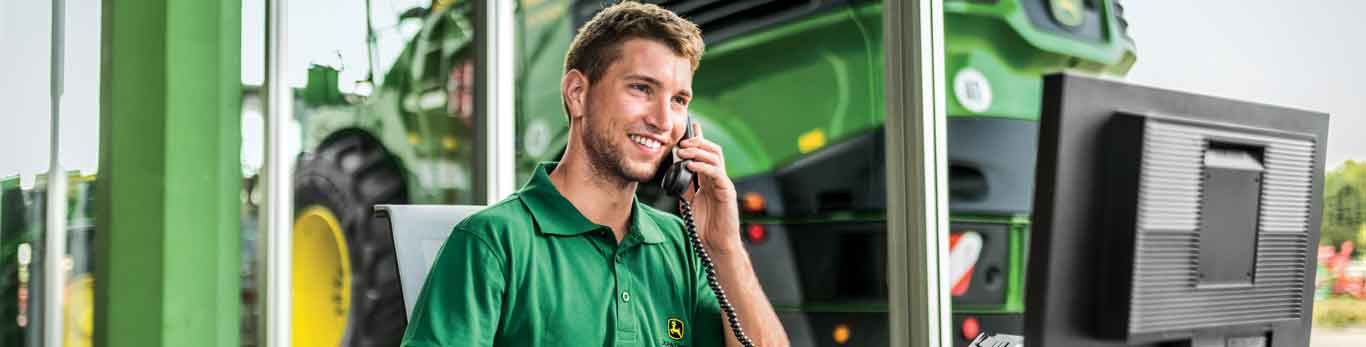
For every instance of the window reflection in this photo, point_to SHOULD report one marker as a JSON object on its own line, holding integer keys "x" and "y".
{"x": 383, "y": 114}
{"x": 26, "y": 140}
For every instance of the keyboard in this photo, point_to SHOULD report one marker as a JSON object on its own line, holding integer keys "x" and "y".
{"x": 998, "y": 340}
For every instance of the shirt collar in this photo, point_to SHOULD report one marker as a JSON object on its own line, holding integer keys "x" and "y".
{"x": 553, "y": 214}
{"x": 645, "y": 226}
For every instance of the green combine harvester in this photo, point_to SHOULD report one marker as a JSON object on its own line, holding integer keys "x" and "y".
{"x": 803, "y": 138}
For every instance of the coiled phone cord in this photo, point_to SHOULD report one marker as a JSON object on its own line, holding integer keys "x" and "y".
{"x": 711, "y": 276}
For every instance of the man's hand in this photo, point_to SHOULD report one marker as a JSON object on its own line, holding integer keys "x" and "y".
{"x": 717, "y": 214}
{"x": 714, "y": 205}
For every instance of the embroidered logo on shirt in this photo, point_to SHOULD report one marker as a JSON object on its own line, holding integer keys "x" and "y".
{"x": 675, "y": 328}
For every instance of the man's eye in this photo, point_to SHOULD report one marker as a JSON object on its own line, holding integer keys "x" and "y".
{"x": 641, "y": 87}
{"x": 681, "y": 100}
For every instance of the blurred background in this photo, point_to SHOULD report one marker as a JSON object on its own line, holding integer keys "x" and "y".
{"x": 385, "y": 111}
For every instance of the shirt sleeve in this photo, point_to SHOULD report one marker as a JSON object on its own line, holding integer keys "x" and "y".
{"x": 707, "y": 317}
{"x": 462, "y": 296}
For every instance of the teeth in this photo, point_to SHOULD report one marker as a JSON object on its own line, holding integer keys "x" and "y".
{"x": 647, "y": 142}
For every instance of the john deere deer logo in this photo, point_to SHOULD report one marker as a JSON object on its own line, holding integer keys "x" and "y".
{"x": 675, "y": 329}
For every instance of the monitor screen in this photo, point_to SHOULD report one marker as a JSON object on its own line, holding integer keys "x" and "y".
{"x": 1165, "y": 218}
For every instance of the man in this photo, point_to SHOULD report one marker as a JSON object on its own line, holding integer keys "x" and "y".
{"x": 572, "y": 258}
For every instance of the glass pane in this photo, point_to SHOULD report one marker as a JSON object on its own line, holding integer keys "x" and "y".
{"x": 802, "y": 133}
{"x": 25, "y": 149}
{"x": 252, "y": 157}
{"x": 23, "y": 172}
{"x": 543, "y": 36}
{"x": 21, "y": 231}
{"x": 994, "y": 66}
{"x": 79, "y": 154}
{"x": 383, "y": 114}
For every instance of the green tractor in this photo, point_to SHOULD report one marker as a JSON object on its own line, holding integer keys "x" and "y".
{"x": 22, "y": 236}
{"x": 803, "y": 138}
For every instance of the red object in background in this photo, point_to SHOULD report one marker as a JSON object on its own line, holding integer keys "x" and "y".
{"x": 1344, "y": 256}
{"x": 1337, "y": 262}
{"x": 1325, "y": 253}
{"x": 756, "y": 233}
{"x": 1350, "y": 285}
{"x": 964, "y": 249}
{"x": 971, "y": 328}
{"x": 23, "y": 307}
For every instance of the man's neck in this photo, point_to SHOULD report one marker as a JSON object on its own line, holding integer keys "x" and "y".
{"x": 602, "y": 201}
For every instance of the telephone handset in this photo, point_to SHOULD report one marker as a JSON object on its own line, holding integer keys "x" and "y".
{"x": 678, "y": 179}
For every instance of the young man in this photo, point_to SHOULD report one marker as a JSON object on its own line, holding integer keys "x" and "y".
{"x": 572, "y": 258}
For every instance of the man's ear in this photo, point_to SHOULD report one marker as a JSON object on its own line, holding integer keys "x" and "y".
{"x": 574, "y": 91}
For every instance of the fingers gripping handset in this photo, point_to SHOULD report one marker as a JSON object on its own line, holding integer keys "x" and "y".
{"x": 677, "y": 180}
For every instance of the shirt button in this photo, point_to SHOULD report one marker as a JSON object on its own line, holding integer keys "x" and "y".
{"x": 625, "y": 296}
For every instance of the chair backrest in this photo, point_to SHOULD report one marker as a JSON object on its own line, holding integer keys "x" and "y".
{"x": 418, "y": 232}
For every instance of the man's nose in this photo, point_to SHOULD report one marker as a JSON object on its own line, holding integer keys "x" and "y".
{"x": 661, "y": 118}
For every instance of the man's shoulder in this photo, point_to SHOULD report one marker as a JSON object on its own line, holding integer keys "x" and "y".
{"x": 493, "y": 222}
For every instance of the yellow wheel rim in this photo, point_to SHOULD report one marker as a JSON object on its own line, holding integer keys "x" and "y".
{"x": 322, "y": 279}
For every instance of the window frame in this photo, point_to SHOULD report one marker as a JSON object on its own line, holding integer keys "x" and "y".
{"x": 917, "y": 200}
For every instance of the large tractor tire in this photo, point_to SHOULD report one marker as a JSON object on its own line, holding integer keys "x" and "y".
{"x": 346, "y": 289}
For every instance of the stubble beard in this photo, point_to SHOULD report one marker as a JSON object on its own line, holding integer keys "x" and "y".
{"x": 606, "y": 159}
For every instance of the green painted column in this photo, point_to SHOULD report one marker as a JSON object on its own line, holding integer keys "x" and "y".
{"x": 167, "y": 222}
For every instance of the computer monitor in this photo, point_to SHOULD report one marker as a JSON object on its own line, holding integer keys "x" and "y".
{"x": 1165, "y": 218}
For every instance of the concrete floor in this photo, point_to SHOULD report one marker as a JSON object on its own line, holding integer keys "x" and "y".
{"x": 1338, "y": 338}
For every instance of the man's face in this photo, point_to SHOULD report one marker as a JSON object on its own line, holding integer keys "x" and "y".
{"x": 636, "y": 110}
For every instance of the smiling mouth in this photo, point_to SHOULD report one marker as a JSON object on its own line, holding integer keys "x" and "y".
{"x": 645, "y": 141}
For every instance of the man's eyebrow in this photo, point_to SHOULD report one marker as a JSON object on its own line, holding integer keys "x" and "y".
{"x": 655, "y": 82}
{"x": 647, "y": 79}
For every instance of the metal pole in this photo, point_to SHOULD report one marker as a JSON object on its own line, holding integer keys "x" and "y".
{"x": 55, "y": 235}
{"x": 917, "y": 199}
{"x": 277, "y": 210}
{"x": 371, "y": 60}
{"x": 500, "y": 171}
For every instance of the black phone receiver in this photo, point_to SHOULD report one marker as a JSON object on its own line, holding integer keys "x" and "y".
{"x": 677, "y": 179}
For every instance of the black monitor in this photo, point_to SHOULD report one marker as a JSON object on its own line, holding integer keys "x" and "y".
{"x": 1165, "y": 218}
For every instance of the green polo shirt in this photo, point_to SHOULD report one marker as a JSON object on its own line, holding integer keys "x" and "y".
{"x": 532, "y": 271}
